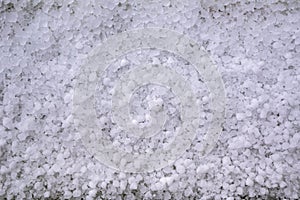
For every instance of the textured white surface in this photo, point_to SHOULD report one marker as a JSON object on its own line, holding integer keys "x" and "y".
{"x": 132, "y": 79}
{"x": 255, "y": 45}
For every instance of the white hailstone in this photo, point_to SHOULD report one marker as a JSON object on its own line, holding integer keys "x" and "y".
{"x": 103, "y": 185}
{"x": 92, "y": 77}
{"x": 38, "y": 185}
{"x": 89, "y": 197}
{"x": 3, "y": 169}
{"x": 239, "y": 190}
{"x": 131, "y": 84}
{"x": 275, "y": 157}
{"x": 202, "y": 169}
{"x": 22, "y": 136}
{"x": 103, "y": 120}
{"x": 92, "y": 193}
{"x": 148, "y": 117}
{"x": 129, "y": 150}
{"x": 139, "y": 178}
{"x": 259, "y": 179}
{"x": 93, "y": 183}
{"x": 83, "y": 169}
{"x": 148, "y": 195}
{"x": 167, "y": 196}
{"x": 294, "y": 141}
{"x": 124, "y": 62}
{"x": 56, "y": 167}
{"x": 180, "y": 169}
{"x": 133, "y": 186}
{"x": 155, "y": 61}
{"x": 158, "y": 186}
{"x": 226, "y": 161}
{"x": 122, "y": 175}
{"x": 166, "y": 180}
{"x": 76, "y": 193}
{"x": 67, "y": 121}
{"x": 240, "y": 116}
{"x": 11, "y": 17}
{"x": 37, "y": 106}
{"x": 188, "y": 192}
{"x": 106, "y": 81}
{"x": 7, "y": 122}
{"x": 249, "y": 182}
{"x": 123, "y": 185}
{"x": 156, "y": 104}
{"x": 239, "y": 142}
{"x": 47, "y": 194}
{"x": 25, "y": 124}
{"x": 131, "y": 180}
{"x": 79, "y": 45}
{"x": 248, "y": 113}
{"x": 116, "y": 183}
{"x": 254, "y": 103}
{"x": 263, "y": 191}
{"x": 68, "y": 194}
{"x": 282, "y": 184}
{"x": 232, "y": 187}
{"x": 167, "y": 169}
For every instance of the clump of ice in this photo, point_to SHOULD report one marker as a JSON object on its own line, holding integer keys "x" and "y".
{"x": 255, "y": 45}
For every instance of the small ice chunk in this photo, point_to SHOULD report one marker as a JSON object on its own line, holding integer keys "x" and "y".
{"x": 166, "y": 180}
{"x": 240, "y": 116}
{"x": 156, "y": 104}
{"x": 67, "y": 194}
{"x": 249, "y": 182}
{"x": 93, "y": 192}
{"x": 92, "y": 77}
{"x": 67, "y": 98}
{"x": 106, "y": 81}
{"x": 188, "y": 192}
{"x": 133, "y": 186}
{"x": 226, "y": 160}
{"x": 180, "y": 169}
{"x": 259, "y": 179}
{"x": 104, "y": 120}
{"x": 202, "y": 169}
{"x": 11, "y": 17}
{"x": 155, "y": 61}
{"x": 76, "y": 193}
{"x": 124, "y": 62}
{"x": 239, "y": 142}
{"x": 116, "y": 183}
{"x": 47, "y": 194}
{"x": 134, "y": 122}
{"x": 22, "y": 136}
{"x": 78, "y": 45}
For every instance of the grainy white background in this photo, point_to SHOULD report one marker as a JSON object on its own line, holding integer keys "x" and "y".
{"x": 255, "y": 45}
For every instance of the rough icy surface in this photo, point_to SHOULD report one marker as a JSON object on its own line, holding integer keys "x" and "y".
{"x": 256, "y": 47}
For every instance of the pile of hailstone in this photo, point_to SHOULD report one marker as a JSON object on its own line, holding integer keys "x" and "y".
{"x": 256, "y": 47}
